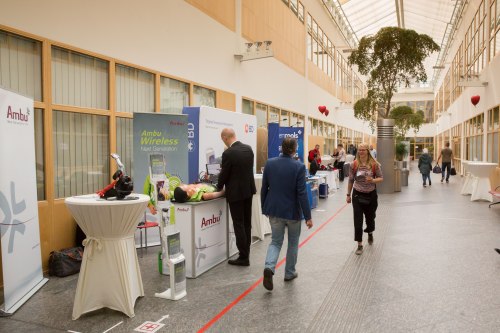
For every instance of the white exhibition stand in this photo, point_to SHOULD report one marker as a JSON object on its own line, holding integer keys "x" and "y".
{"x": 110, "y": 275}
{"x": 332, "y": 179}
{"x": 468, "y": 179}
{"x": 260, "y": 222}
{"x": 204, "y": 234}
{"x": 481, "y": 183}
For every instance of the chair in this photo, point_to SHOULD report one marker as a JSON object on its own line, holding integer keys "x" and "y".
{"x": 496, "y": 194}
{"x": 145, "y": 225}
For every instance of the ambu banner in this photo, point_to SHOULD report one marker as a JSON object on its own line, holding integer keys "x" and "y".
{"x": 160, "y": 155}
{"x": 20, "y": 233}
{"x": 276, "y": 136}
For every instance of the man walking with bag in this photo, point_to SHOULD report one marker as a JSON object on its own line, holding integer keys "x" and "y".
{"x": 447, "y": 155}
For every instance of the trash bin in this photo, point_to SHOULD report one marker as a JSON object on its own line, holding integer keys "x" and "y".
{"x": 397, "y": 180}
{"x": 404, "y": 177}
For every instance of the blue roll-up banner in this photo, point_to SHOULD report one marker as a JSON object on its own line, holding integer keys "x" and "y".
{"x": 276, "y": 134}
{"x": 20, "y": 240}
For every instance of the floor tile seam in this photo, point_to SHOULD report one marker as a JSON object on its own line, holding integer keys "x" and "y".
{"x": 345, "y": 295}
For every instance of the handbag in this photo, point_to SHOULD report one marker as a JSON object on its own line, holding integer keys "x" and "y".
{"x": 453, "y": 171}
{"x": 65, "y": 262}
{"x": 363, "y": 199}
{"x": 436, "y": 169}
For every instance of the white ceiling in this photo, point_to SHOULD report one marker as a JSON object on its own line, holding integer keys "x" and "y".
{"x": 430, "y": 17}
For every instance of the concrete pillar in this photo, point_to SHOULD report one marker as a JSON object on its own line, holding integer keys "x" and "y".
{"x": 385, "y": 154}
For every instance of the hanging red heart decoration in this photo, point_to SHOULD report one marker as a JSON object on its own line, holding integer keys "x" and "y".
{"x": 322, "y": 108}
{"x": 475, "y": 99}
{"x": 327, "y": 112}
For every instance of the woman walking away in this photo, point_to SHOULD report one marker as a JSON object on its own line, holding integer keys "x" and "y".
{"x": 363, "y": 177}
{"x": 425, "y": 166}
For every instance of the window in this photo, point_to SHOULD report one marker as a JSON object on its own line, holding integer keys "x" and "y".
{"x": 493, "y": 135}
{"x": 39, "y": 156}
{"x": 135, "y": 90}
{"x": 21, "y": 65}
{"x": 174, "y": 95}
{"x": 274, "y": 115}
{"x": 124, "y": 142}
{"x": 203, "y": 96}
{"x": 79, "y": 80}
{"x": 261, "y": 113}
{"x": 81, "y": 153}
{"x": 247, "y": 106}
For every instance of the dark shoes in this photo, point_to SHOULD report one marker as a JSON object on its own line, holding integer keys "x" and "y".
{"x": 370, "y": 239}
{"x": 498, "y": 251}
{"x": 442, "y": 180}
{"x": 425, "y": 185}
{"x": 294, "y": 276}
{"x": 268, "y": 279}
{"x": 239, "y": 262}
{"x": 430, "y": 183}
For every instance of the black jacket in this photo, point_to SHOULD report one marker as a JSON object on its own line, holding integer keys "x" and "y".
{"x": 236, "y": 173}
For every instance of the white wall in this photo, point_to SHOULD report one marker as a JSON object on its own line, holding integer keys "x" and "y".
{"x": 173, "y": 37}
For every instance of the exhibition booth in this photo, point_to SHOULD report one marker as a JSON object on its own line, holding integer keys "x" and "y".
{"x": 168, "y": 150}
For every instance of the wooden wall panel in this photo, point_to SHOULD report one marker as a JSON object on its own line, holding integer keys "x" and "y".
{"x": 45, "y": 223}
{"x": 64, "y": 227}
{"x": 225, "y": 100}
{"x": 223, "y": 11}
{"x": 273, "y": 20}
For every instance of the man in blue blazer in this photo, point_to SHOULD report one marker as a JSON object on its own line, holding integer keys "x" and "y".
{"x": 284, "y": 199}
{"x": 237, "y": 177}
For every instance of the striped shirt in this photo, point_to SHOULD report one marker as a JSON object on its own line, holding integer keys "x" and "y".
{"x": 359, "y": 179}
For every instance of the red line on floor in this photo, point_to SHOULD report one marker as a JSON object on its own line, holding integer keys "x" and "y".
{"x": 259, "y": 281}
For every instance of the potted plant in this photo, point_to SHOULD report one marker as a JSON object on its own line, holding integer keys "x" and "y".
{"x": 400, "y": 151}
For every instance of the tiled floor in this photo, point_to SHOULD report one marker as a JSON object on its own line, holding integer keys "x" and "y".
{"x": 432, "y": 268}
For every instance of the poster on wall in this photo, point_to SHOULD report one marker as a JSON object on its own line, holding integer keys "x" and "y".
{"x": 19, "y": 225}
{"x": 278, "y": 133}
{"x": 160, "y": 158}
{"x": 205, "y": 144}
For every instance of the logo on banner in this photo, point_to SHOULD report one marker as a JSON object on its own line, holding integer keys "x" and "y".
{"x": 211, "y": 221}
{"x": 18, "y": 117}
{"x": 249, "y": 128}
{"x": 191, "y": 145}
{"x": 8, "y": 211}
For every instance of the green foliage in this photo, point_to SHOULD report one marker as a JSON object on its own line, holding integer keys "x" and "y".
{"x": 390, "y": 58}
{"x": 400, "y": 150}
{"x": 404, "y": 119}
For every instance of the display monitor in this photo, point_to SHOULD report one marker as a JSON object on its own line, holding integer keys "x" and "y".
{"x": 213, "y": 169}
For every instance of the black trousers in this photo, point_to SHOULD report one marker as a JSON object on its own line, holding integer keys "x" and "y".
{"x": 340, "y": 166}
{"x": 362, "y": 209}
{"x": 241, "y": 213}
{"x": 445, "y": 166}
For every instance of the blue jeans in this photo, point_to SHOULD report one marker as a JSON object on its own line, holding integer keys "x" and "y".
{"x": 278, "y": 233}
{"x": 426, "y": 176}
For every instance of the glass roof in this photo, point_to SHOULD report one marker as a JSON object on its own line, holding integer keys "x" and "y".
{"x": 430, "y": 17}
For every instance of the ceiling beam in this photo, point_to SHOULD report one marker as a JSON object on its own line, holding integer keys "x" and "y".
{"x": 400, "y": 13}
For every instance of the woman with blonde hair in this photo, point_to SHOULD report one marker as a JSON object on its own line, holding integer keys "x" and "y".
{"x": 365, "y": 173}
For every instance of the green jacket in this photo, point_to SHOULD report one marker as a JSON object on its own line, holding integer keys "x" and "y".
{"x": 425, "y": 164}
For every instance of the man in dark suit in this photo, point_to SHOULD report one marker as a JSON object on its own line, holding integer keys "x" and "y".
{"x": 284, "y": 199}
{"x": 237, "y": 176}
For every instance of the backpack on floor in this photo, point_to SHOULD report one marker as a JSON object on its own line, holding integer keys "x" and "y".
{"x": 65, "y": 262}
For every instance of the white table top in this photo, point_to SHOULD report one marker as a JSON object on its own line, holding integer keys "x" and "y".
{"x": 94, "y": 200}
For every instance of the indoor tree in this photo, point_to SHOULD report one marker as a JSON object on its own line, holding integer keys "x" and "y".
{"x": 404, "y": 119}
{"x": 391, "y": 58}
